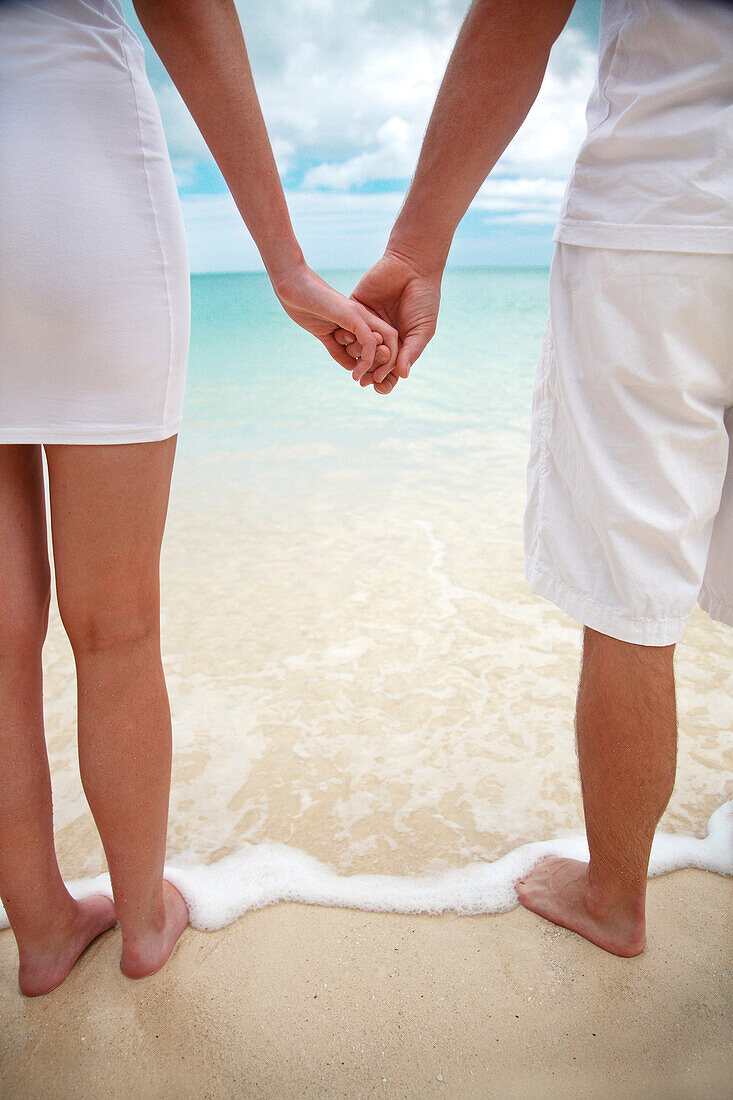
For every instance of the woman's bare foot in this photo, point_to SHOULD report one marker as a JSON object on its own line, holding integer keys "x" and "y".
{"x": 150, "y": 951}
{"x": 44, "y": 967}
{"x": 558, "y": 890}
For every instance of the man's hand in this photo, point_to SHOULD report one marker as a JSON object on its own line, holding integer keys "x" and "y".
{"x": 493, "y": 76}
{"x": 400, "y": 291}
{"x": 319, "y": 309}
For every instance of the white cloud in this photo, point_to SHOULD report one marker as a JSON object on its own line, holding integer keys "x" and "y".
{"x": 532, "y": 201}
{"x": 349, "y": 230}
{"x": 284, "y": 152}
{"x": 546, "y": 144}
{"x": 510, "y": 191}
{"x": 394, "y": 159}
{"x": 335, "y": 230}
{"x": 330, "y": 74}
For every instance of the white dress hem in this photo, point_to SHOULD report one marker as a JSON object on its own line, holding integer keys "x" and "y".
{"x": 80, "y": 436}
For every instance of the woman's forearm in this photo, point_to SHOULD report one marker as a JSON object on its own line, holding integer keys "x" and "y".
{"x": 200, "y": 43}
{"x": 492, "y": 80}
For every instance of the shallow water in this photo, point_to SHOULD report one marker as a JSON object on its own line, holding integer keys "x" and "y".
{"x": 355, "y": 664}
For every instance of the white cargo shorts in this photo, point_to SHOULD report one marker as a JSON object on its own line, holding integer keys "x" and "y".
{"x": 629, "y": 516}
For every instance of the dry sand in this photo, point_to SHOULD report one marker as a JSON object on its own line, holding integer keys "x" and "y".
{"x": 299, "y": 1001}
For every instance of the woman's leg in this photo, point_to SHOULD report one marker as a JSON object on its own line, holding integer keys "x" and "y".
{"x": 108, "y": 510}
{"x": 50, "y": 928}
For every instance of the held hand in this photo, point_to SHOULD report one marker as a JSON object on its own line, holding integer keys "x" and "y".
{"x": 319, "y": 309}
{"x": 406, "y": 295}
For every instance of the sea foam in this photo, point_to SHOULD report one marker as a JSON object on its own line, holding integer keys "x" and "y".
{"x": 262, "y": 874}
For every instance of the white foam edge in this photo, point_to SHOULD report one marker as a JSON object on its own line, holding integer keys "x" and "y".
{"x": 263, "y": 874}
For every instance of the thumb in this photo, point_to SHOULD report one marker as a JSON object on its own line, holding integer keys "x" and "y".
{"x": 412, "y": 348}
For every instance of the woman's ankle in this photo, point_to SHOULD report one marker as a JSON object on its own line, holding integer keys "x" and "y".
{"x": 48, "y": 927}
{"x": 145, "y": 920}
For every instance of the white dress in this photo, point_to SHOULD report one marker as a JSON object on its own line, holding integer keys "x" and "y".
{"x": 94, "y": 284}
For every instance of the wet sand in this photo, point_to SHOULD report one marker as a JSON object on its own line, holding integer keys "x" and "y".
{"x": 357, "y": 668}
{"x": 305, "y": 1001}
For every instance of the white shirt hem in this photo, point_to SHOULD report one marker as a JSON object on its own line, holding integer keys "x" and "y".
{"x": 647, "y": 238}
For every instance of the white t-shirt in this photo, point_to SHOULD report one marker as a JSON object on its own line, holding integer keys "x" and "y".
{"x": 656, "y": 168}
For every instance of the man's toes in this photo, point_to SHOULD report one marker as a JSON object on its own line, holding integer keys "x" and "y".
{"x": 524, "y": 890}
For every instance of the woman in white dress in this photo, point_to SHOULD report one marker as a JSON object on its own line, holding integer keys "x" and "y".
{"x": 94, "y": 318}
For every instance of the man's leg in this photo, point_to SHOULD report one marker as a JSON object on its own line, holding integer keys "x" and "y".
{"x": 627, "y": 749}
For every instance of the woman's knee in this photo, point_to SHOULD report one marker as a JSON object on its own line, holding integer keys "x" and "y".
{"x": 109, "y": 621}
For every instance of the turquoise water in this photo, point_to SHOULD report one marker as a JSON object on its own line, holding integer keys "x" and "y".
{"x": 256, "y": 380}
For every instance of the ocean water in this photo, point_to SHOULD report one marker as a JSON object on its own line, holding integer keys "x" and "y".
{"x": 369, "y": 706}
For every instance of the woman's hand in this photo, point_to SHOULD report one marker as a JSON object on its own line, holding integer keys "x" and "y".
{"x": 322, "y": 311}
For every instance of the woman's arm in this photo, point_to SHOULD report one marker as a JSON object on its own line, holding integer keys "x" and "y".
{"x": 200, "y": 43}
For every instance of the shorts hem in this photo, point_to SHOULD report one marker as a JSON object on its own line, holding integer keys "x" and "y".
{"x": 92, "y": 436}
{"x": 639, "y": 631}
{"x": 717, "y": 609}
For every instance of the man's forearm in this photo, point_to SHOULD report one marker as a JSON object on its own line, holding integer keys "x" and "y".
{"x": 492, "y": 79}
{"x": 202, "y": 47}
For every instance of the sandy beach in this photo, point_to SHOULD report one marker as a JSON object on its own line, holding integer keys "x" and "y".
{"x": 304, "y": 1001}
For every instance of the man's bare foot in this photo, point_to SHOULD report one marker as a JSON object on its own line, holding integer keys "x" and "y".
{"x": 558, "y": 890}
{"x": 151, "y": 951}
{"x": 45, "y": 967}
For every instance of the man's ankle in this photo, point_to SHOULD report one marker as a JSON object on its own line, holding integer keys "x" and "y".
{"x": 617, "y": 894}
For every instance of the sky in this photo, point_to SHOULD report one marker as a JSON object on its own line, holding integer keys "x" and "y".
{"x": 346, "y": 88}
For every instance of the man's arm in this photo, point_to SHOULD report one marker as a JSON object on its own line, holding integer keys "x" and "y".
{"x": 492, "y": 80}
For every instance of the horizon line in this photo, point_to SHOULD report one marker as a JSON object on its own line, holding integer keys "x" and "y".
{"x": 361, "y": 270}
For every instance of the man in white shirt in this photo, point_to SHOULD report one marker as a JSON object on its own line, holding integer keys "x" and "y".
{"x": 629, "y": 515}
